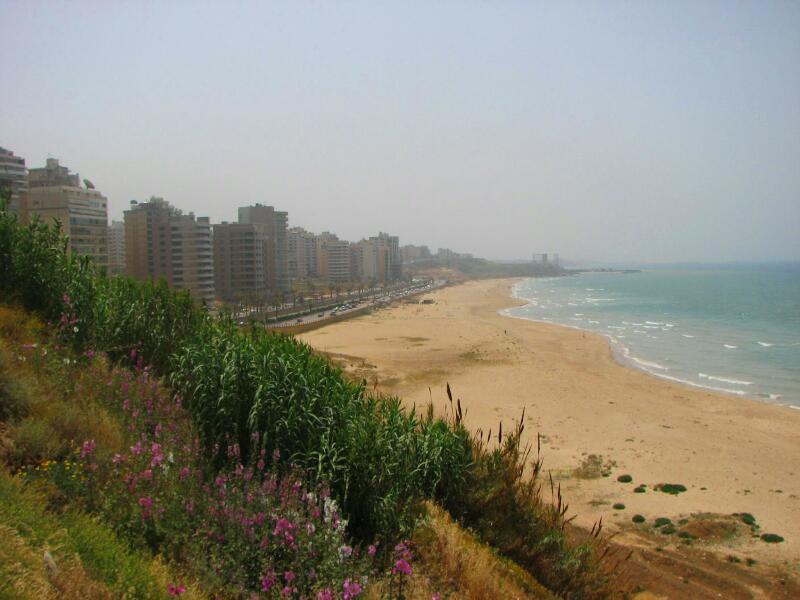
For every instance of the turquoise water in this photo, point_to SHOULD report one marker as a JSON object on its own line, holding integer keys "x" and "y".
{"x": 735, "y": 330}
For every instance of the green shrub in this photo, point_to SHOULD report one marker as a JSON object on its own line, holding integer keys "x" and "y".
{"x": 668, "y": 530}
{"x": 624, "y": 478}
{"x": 748, "y": 519}
{"x": 638, "y": 519}
{"x": 671, "y": 488}
{"x": 661, "y": 521}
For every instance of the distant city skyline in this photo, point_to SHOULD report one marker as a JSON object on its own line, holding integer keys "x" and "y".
{"x": 623, "y": 133}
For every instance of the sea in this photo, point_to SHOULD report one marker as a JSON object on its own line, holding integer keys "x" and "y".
{"x": 731, "y": 329}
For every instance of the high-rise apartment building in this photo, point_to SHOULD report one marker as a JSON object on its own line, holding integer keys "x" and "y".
{"x": 162, "y": 242}
{"x": 302, "y": 254}
{"x": 116, "y": 247}
{"x": 56, "y": 194}
{"x": 336, "y": 255}
{"x": 276, "y": 223}
{"x": 374, "y": 261}
{"x": 252, "y": 257}
{"x": 244, "y": 262}
{"x": 410, "y": 253}
{"x": 392, "y": 258}
{"x": 13, "y": 177}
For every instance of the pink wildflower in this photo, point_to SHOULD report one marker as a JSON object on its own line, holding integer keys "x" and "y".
{"x": 351, "y": 589}
{"x": 372, "y": 550}
{"x": 268, "y": 581}
{"x": 326, "y": 594}
{"x": 175, "y": 590}
{"x": 88, "y": 448}
{"x": 402, "y": 566}
{"x": 146, "y": 503}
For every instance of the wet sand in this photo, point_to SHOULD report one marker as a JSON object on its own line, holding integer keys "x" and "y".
{"x": 595, "y": 416}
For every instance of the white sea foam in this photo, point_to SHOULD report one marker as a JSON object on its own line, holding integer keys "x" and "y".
{"x": 650, "y": 327}
{"x": 616, "y": 327}
{"x": 765, "y": 344}
{"x": 650, "y": 364}
{"x": 594, "y": 322}
{"x": 654, "y": 322}
{"x": 724, "y": 379}
{"x": 578, "y": 314}
{"x": 687, "y": 335}
{"x": 729, "y": 347}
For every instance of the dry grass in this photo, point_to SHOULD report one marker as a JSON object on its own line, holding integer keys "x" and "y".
{"x": 455, "y": 565}
{"x": 19, "y": 326}
{"x": 24, "y": 574}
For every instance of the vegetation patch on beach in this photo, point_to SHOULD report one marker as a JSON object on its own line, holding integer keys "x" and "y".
{"x": 661, "y": 521}
{"x": 670, "y": 488}
{"x": 593, "y": 467}
{"x": 712, "y": 527}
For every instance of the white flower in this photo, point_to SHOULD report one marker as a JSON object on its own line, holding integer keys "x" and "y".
{"x": 75, "y": 329}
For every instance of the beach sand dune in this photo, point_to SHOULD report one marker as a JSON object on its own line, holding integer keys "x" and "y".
{"x": 597, "y": 419}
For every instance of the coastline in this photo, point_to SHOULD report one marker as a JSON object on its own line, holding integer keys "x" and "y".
{"x": 621, "y": 354}
{"x": 734, "y": 454}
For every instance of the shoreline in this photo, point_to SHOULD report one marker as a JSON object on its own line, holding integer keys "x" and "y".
{"x": 622, "y": 356}
{"x": 597, "y": 417}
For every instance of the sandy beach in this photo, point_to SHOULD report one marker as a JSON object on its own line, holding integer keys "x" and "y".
{"x": 595, "y": 416}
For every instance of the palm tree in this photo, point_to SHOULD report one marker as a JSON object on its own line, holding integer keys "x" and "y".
{"x": 277, "y": 300}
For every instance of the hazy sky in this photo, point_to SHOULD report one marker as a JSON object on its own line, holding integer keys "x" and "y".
{"x": 620, "y": 131}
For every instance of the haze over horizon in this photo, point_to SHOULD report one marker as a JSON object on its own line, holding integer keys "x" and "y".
{"x": 614, "y": 132}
